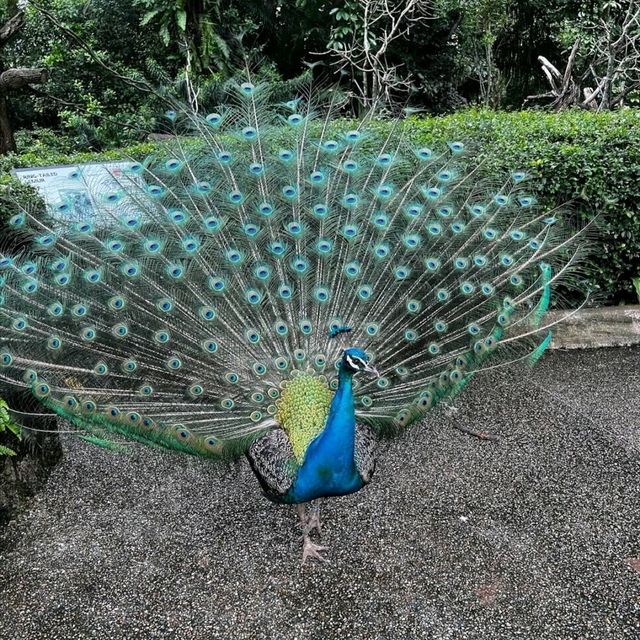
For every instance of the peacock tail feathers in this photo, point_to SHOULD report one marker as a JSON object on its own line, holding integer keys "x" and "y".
{"x": 257, "y": 248}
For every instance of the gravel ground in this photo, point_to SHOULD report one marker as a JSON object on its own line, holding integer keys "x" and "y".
{"x": 534, "y": 536}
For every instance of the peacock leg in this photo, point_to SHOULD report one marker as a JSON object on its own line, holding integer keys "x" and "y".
{"x": 313, "y": 521}
{"x": 309, "y": 548}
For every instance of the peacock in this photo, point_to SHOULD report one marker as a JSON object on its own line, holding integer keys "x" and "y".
{"x": 283, "y": 284}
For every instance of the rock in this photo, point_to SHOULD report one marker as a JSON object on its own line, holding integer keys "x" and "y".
{"x": 23, "y": 474}
{"x": 598, "y": 327}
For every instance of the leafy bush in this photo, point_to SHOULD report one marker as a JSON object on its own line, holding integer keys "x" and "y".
{"x": 7, "y": 424}
{"x": 588, "y": 159}
{"x": 591, "y": 160}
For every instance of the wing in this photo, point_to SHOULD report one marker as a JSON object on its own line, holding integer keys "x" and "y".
{"x": 365, "y": 451}
{"x": 273, "y": 462}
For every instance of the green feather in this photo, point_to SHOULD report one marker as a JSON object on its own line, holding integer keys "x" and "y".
{"x": 537, "y": 353}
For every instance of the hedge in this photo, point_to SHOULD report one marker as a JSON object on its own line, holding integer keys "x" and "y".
{"x": 589, "y": 159}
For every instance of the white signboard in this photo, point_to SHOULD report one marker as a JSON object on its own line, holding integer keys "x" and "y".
{"x": 79, "y": 186}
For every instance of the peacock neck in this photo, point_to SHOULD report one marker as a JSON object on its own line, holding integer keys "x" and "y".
{"x": 341, "y": 419}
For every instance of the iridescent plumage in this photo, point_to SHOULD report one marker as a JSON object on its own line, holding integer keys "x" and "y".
{"x": 207, "y": 305}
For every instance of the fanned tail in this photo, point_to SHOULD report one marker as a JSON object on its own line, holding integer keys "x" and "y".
{"x": 214, "y": 272}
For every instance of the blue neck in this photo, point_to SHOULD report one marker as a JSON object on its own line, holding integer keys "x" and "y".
{"x": 342, "y": 418}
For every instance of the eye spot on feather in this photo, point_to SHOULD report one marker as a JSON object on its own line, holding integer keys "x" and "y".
{"x": 209, "y": 345}
{"x": 306, "y": 327}
{"x": 195, "y": 391}
{"x": 17, "y": 220}
{"x": 320, "y": 210}
{"x": 259, "y": 368}
{"x": 236, "y": 197}
{"x": 321, "y": 294}
{"x": 440, "y": 326}
{"x": 473, "y": 329}
{"x": 402, "y": 272}
{"x": 350, "y": 200}
{"x": 101, "y": 369}
{"x": 381, "y": 250}
{"x": 414, "y": 305}
{"x": 165, "y": 305}
{"x": 211, "y": 224}
{"x": 129, "y": 366}
{"x": 120, "y": 330}
{"x": 6, "y": 359}
{"x": 467, "y": 288}
{"x": 353, "y": 136}
{"x": 20, "y": 324}
{"x": 217, "y": 284}
{"x": 207, "y": 313}
{"x": 432, "y": 264}
{"x": 365, "y": 292}
{"x": 162, "y": 336}
{"x": 278, "y": 248}
{"x": 413, "y": 210}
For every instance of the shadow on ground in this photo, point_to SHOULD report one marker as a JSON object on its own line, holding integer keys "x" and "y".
{"x": 531, "y": 537}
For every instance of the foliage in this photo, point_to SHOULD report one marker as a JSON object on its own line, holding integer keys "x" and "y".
{"x": 591, "y": 160}
{"x": 588, "y": 159}
{"x": 7, "y": 425}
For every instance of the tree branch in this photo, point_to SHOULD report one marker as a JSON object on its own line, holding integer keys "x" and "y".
{"x": 11, "y": 27}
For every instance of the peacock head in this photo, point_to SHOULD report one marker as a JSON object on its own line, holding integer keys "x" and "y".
{"x": 355, "y": 360}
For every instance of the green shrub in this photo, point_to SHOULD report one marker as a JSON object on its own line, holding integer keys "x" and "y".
{"x": 9, "y": 426}
{"x": 591, "y": 160}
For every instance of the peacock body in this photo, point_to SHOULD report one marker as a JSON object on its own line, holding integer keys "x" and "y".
{"x": 279, "y": 285}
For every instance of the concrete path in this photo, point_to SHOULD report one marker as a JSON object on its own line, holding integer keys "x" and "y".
{"x": 535, "y": 536}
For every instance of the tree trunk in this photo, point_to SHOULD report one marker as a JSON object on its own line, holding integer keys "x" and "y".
{"x": 7, "y": 141}
{"x": 10, "y": 80}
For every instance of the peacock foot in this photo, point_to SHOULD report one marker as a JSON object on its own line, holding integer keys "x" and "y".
{"x": 312, "y": 550}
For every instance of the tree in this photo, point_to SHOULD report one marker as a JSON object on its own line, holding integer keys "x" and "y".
{"x": 13, "y": 79}
{"x": 361, "y": 43}
{"x": 603, "y": 64}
